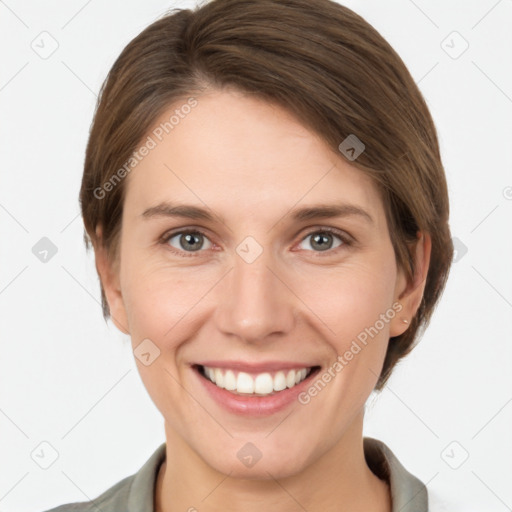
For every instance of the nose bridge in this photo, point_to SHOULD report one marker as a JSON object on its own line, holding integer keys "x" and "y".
{"x": 255, "y": 303}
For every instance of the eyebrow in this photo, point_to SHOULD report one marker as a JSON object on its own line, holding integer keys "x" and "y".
{"x": 321, "y": 211}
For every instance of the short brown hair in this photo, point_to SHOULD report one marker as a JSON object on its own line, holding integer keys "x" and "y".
{"x": 315, "y": 58}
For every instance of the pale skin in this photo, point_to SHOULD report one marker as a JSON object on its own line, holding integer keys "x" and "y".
{"x": 253, "y": 164}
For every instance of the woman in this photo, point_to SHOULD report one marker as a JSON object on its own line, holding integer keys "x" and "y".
{"x": 268, "y": 209}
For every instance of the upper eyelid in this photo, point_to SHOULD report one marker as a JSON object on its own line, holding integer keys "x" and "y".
{"x": 345, "y": 237}
{"x": 340, "y": 233}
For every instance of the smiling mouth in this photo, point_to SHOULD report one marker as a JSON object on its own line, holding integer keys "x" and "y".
{"x": 255, "y": 384}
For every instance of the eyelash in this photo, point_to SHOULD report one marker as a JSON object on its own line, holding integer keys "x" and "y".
{"x": 346, "y": 241}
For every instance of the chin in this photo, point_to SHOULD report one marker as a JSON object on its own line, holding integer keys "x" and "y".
{"x": 250, "y": 463}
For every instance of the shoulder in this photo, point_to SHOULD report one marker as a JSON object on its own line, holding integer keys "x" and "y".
{"x": 408, "y": 493}
{"x": 109, "y": 501}
{"x": 135, "y": 492}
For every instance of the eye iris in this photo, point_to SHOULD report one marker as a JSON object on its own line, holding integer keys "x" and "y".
{"x": 320, "y": 241}
{"x": 189, "y": 240}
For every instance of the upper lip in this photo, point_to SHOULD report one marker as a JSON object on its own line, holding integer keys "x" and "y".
{"x": 254, "y": 367}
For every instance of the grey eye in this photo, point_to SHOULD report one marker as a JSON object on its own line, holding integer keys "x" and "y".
{"x": 189, "y": 241}
{"x": 322, "y": 240}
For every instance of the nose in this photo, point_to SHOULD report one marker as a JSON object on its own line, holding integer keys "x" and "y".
{"x": 255, "y": 301}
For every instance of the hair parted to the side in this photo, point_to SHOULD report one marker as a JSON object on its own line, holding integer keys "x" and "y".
{"x": 323, "y": 63}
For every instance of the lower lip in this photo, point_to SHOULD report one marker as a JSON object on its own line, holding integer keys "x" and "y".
{"x": 254, "y": 405}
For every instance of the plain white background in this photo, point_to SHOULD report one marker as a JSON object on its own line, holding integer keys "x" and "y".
{"x": 70, "y": 380}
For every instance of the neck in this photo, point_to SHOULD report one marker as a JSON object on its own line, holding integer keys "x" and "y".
{"x": 339, "y": 480}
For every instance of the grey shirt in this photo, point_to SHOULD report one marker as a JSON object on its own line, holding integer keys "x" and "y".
{"x": 136, "y": 493}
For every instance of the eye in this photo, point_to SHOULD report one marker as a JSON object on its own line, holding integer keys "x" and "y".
{"x": 322, "y": 240}
{"x": 187, "y": 241}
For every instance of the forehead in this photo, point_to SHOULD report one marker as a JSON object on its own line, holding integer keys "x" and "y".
{"x": 237, "y": 153}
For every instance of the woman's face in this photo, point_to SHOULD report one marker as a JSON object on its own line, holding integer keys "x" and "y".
{"x": 248, "y": 284}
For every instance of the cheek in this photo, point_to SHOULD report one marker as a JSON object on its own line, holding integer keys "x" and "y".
{"x": 160, "y": 301}
{"x": 350, "y": 298}
{"x": 341, "y": 301}
{"x": 160, "y": 304}
{"x": 353, "y": 308}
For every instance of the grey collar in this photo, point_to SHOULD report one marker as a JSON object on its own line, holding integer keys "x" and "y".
{"x": 408, "y": 493}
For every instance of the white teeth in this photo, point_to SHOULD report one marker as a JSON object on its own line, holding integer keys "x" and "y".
{"x": 229, "y": 380}
{"x": 219, "y": 378}
{"x": 244, "y": 383}
{"x": 263, "y": 384}
{"x": 260, "y": 384}
{"x": 279, "y": 381}
{"x": 290, "y": 379}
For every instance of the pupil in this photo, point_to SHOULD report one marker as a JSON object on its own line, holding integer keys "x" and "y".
{"x": 190, "y": 238}
{"x": 322, "y": 241}
{"x": 322, "y": 246}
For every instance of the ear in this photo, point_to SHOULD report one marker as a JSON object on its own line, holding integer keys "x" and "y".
{"x": 109, "y": 276}
{"x": 409, "y": 293}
